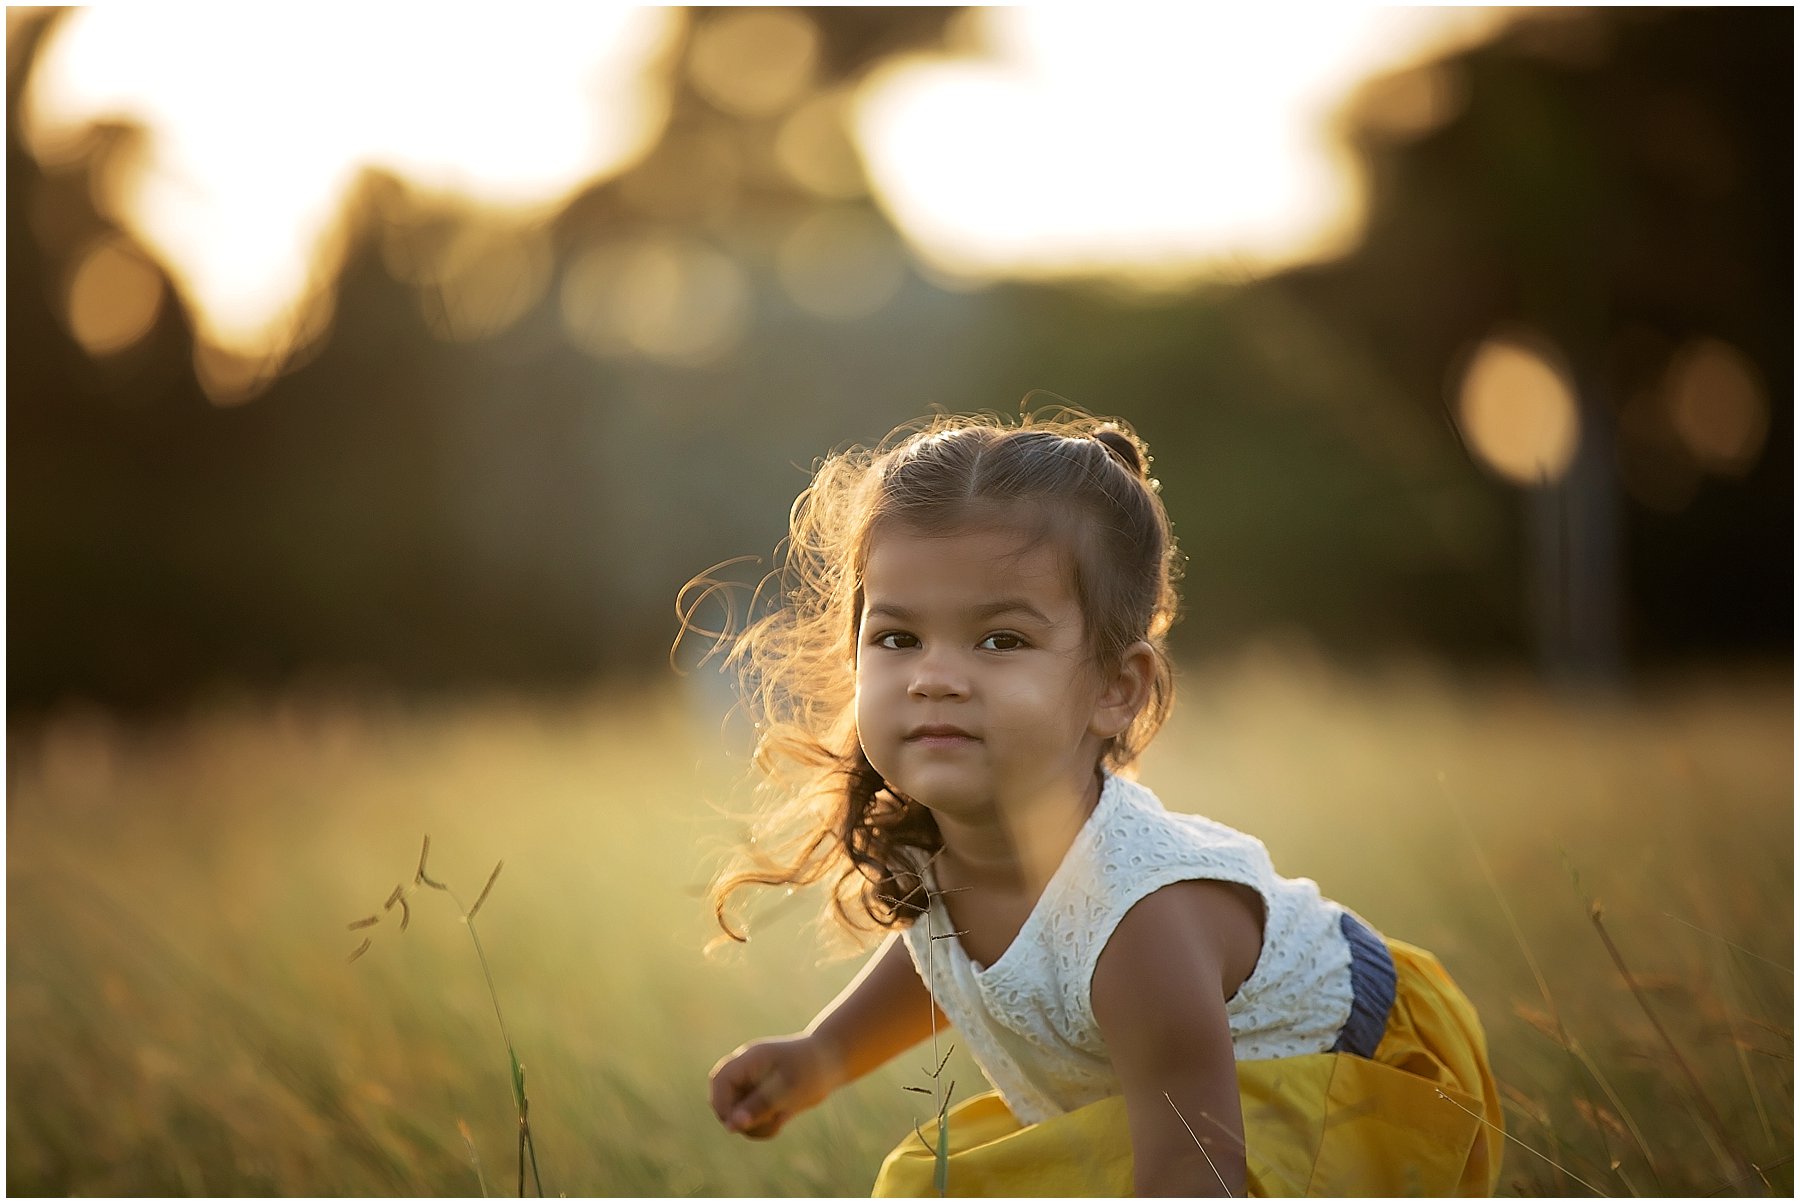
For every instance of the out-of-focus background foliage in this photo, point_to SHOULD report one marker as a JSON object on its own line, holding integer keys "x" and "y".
{"x": 351, "y": 481}
{"x": 500, "y": 446}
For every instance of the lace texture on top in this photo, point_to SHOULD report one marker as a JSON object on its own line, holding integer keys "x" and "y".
{"x": 1028, "y": 1019}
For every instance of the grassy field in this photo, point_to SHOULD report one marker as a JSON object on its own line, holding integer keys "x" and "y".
{"x": 182, "y": 1017}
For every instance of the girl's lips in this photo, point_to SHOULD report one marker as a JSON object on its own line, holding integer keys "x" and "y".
{"x": 939, "y": 735}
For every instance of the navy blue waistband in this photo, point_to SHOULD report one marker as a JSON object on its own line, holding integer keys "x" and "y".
{"x": 1372, "y": 984}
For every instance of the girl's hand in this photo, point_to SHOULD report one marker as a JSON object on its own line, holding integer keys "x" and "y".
{"x": 760, "y": 1087}
{"x": 884, "y": 1010}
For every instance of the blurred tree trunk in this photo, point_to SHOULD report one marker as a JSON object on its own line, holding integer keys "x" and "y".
{"x": 1576, "y": 559}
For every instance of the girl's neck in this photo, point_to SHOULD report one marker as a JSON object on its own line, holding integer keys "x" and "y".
{"x": 1016, "y": 853}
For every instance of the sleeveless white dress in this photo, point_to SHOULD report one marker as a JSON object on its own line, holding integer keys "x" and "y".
{"x": 1028, "y": 1019}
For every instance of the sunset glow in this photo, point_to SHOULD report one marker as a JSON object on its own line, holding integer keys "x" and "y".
{"x": 1160, "y": 144}
{"x": 1151, "y": 141}
{"x": 259, "y": 119}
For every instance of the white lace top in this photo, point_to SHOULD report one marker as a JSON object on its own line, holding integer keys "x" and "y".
{"x": 1028, "y": 1019}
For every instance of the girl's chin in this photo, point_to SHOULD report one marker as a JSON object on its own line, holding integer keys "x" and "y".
{"x": 944, "y": 792}
{"x": 978, "y": 796}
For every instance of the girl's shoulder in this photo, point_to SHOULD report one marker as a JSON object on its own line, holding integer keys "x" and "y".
{"x": 1134, "y": 832}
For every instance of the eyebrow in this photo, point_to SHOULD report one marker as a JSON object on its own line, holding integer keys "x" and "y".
{"x": 987, "y": 610}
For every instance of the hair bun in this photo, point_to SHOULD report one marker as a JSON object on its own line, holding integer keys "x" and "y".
{"x": 1125, "y": 449}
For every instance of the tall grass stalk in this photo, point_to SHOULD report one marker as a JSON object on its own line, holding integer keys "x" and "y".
{"x": 1562, "y": 1036}
{"x": 940, "y": 1094}
{"x": 516, "y": 1070}
{"x": 1739, "y": 1045}
{"x": 1534, "y": 1153}
{"x": 941, "y": 1175}
{"x": 462, "y": 1128}
{"x": 1198, "y": 1144}
{"x": 1734, "y": 1159}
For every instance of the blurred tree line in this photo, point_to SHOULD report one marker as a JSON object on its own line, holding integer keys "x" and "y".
{"x": 434, "y": 497}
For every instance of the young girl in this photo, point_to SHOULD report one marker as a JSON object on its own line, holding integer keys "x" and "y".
{"x": 967, "y": 660}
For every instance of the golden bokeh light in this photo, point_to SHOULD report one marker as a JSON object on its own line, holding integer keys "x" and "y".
{"x": 1718, "y": 406}
{"x": 667, "y": 297}
{"x": 475, "y": 278}
{"x": 1411, "y": 103}
{"x": 229, "y": 378}
{"x": 113, "y": 298}
{"x": 754, "y": 62}
{"x": 841, "y": 262}
{"x": 696, "y": 177}
{"x": 238, "y": 188}
{"x": 20, "y": 19}
{"x": 815, "y": 149}
{"x": 1516, "y": 408}
{"x": 1156, "y": 142}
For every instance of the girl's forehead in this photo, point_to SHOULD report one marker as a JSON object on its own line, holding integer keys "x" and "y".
{"x": 973, "y": 556}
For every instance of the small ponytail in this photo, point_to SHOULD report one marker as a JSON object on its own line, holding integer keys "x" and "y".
{"x": 1126, "y": 450}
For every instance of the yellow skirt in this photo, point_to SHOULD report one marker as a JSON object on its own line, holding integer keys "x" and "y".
{"x": 1421, "y": 1118}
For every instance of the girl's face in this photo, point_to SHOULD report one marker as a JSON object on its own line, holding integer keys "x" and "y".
{"x": 975, "y": 690}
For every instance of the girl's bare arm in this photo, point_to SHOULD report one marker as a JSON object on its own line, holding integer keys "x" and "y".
{"x": 1159, "y": 996}
{"x": 885, "y": 1011}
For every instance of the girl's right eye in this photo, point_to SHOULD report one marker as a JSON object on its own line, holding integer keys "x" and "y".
{"x": 895, "y": 640}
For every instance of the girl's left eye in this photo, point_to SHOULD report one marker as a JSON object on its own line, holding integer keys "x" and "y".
{"x": 1002, "y": 641}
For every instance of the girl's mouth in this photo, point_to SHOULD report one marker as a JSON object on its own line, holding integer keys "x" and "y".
{"x": 939, "y": 735}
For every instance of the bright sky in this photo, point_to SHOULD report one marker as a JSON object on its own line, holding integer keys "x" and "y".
{"x": 1158, "y": 139}
{"x": 260, "y": 117}
{"x": 1155, "y": 140}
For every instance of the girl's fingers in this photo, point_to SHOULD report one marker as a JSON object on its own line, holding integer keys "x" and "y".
{"x": 755, "y": 1116}
{"x": 743, "y": 1092}
{"x": 727, "y": 1089}
{"x": 764, "y": 1132}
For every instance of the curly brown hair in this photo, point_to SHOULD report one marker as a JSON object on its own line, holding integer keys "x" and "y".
{"x": 828, "y": 816}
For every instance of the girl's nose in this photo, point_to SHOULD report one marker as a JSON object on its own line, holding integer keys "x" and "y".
{"x": 938, "y": 674}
